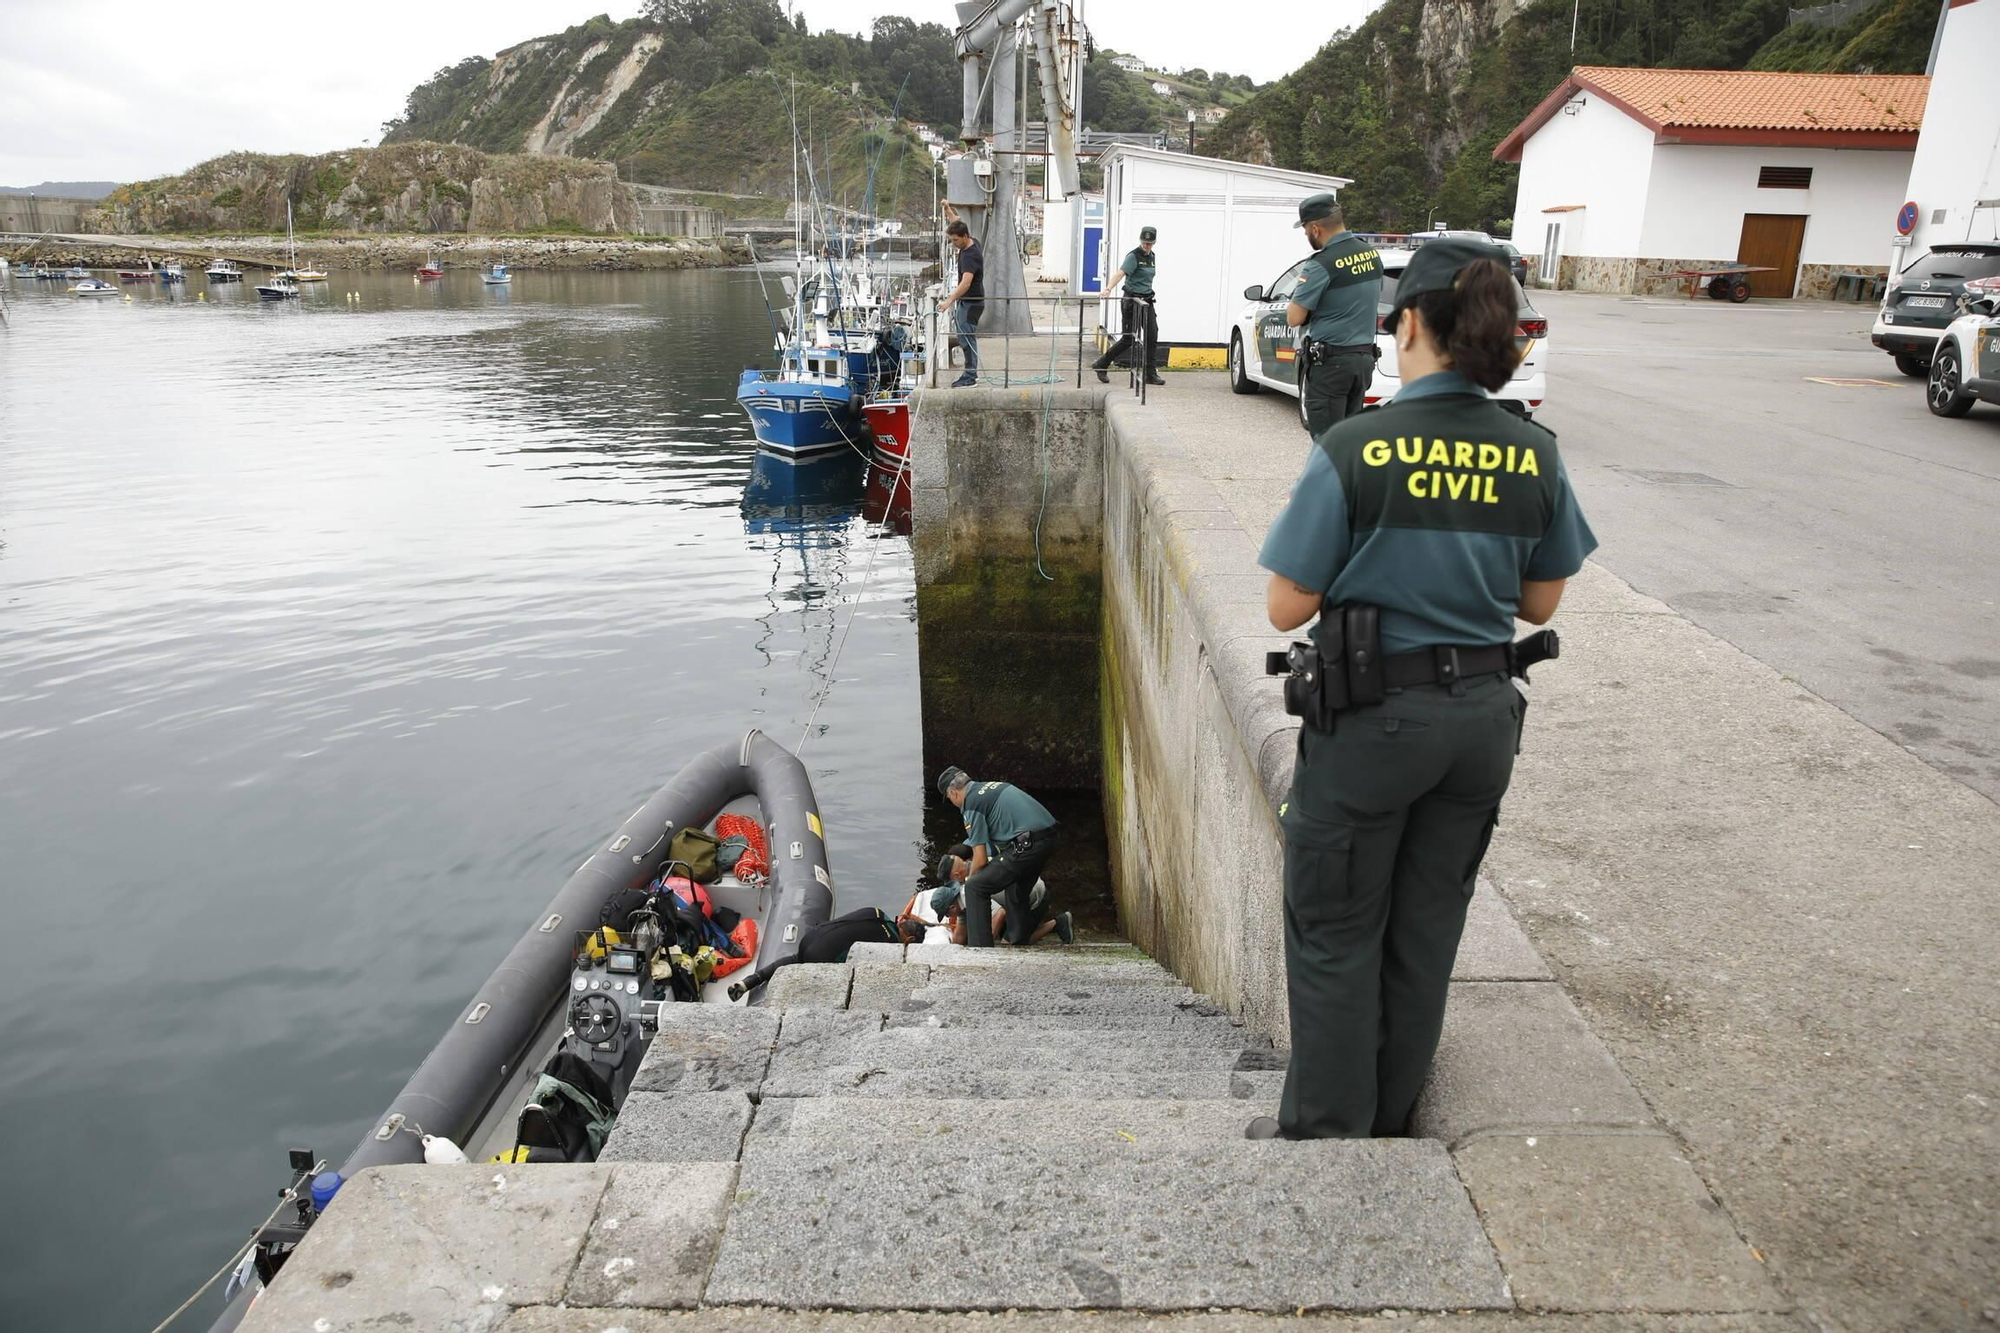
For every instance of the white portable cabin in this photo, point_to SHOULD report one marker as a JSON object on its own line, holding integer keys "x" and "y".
{"x": 1223, "y": 226}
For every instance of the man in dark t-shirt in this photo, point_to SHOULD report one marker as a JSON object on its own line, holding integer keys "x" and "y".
{"x": 968, "y": 298}
{"x": 829, "y": 941}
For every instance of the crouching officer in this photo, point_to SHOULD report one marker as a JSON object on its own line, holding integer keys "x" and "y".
{"x": 1136, "y": 314}
{"x": 1012, "y": 836}
{"x": 1417, "y": 533}
{"x": 1335, "y": 300}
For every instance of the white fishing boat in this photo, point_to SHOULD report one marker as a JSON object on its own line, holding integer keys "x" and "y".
{"x": 93, "y": 287}
{"x": 280, "y": 288}
{"x": 224, "y": 271}
{"x": 496, "y": 276}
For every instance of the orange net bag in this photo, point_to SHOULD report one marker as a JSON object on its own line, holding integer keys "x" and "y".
{"x": 755, "y": 865}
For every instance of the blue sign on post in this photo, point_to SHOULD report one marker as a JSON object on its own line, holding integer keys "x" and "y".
{"x": 1906, "y": 219}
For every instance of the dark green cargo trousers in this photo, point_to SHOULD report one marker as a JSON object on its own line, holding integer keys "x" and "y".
{"x": 1385, "y": 826}
{"x": 1336, "y": 388}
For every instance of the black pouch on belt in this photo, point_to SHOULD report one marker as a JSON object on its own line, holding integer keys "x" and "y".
{"x": 1362, "y": 648}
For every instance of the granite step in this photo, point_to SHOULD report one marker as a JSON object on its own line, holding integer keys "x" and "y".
{"x": 962, "y": 1081}
{"x": 1063, "y": 1048}
{"x": 836, "y": 1122}
{"x": 1352, "y": 1225}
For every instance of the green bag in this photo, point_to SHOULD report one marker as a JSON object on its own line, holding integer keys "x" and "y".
{"x": 695, "y": 848}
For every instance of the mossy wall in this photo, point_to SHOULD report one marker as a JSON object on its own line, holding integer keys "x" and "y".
{"x": 1008, "y": 519}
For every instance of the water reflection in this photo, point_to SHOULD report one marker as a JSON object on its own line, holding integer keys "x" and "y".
{"x": 332, "y": 634}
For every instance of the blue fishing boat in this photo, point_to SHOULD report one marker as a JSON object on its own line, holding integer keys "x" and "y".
{"x": 838, "y": 348}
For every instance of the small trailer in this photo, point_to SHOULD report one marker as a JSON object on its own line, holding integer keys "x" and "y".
{"x": 1726, "y": 282}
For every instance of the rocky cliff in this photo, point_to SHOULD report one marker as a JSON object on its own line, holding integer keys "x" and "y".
{"x": 1411, "y": 104}
{"x": 704, "y": 95}
{"x": 405, "y": 187}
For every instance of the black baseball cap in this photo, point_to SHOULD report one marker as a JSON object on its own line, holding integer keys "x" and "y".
{"x": 944, "y": 868}
{"x": 1149, "y": 233}
{"x": 1435, "y": 268}
{"x": 951, "y": 774}
{"x": 1316, "y": 206}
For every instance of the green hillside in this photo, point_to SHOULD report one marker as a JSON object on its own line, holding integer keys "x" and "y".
{"x": 698, "y": 95}
{"x": 1417, "y": 134}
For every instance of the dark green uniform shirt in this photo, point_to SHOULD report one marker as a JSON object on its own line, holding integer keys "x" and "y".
{"x": 1341, "y": 284}
{"x": 1434, "y": 508}
{"x": 998, "y": 812}
{"x": 1138, "y": 269}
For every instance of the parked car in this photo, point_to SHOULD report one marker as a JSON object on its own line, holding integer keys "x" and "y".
{"x": 1517, "y": 264}
{"x": 1923, "y": 298}
{"x": 1264, "y": 352}
{"x": 1965, "y": 364}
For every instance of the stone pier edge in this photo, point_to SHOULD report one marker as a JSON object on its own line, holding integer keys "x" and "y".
{"x": 1546, "y": 1131}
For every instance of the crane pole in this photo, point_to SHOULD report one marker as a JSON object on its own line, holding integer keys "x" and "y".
{"x": 982, "y": 183}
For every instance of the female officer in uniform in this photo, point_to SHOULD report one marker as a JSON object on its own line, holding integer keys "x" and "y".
{"x": 1453, "y": 516}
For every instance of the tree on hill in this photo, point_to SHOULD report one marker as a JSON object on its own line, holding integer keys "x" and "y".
{"x": 1415, "y": 139}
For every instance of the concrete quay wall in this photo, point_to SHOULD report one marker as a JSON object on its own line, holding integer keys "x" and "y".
{"x": 1196, "y": 744}
{"x": 1007, "y": 514}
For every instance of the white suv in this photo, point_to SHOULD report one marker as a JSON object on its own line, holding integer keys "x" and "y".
{"x": 1264, "y": 353}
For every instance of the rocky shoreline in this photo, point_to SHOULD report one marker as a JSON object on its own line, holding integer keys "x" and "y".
{"x": 394, "y": 252}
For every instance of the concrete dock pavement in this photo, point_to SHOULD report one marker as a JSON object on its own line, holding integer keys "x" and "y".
{"x": 1779, "y": 917}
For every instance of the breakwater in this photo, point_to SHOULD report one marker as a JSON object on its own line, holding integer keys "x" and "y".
{"x": 336, "y": 253}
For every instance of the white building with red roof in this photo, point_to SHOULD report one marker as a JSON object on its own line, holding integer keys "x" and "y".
{"x": 1628, "y": 175}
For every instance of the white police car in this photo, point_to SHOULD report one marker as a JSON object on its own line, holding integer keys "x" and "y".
{"x": 1965, "y": 367}
{"x": 1264, "y": 353}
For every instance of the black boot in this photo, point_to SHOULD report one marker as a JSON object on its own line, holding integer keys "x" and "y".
{"x": 1153, "y": 375}
{"x": 1100, "y": 365}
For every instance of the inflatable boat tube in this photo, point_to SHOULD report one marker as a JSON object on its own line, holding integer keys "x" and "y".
{"x": 454, "y": 1089}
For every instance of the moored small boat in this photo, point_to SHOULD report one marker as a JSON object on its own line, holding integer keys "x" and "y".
{"x": 171, "y": 272}
{"x": 535, "y": 1068}
{"x": 496, "y": 276}
{"x": 430, "y": 269}
{"x": 75, "y": 273}
{"x": 136, "y": 274}
{"x": 93, "y": 287}
{"x": 223, "y": 271}
{"x": 280, "y": 288}
{"x": 308, "y": 274}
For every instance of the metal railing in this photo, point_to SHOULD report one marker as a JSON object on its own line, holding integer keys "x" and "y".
{"x": 1064, "y": 337}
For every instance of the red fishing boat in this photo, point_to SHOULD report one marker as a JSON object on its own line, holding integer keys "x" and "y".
{"x": 430, "y": 269}
{"x": 888, "y": 497}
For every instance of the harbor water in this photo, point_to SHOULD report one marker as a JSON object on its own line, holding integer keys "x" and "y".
{"x": 333, "y": 633}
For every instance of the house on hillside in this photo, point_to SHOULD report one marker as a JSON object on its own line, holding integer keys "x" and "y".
{"x": 1212, "y": 115}
{"x": 1163, "y": 89}
{"x": 1130, "y": 64}
{"x": 1630, "y": 174}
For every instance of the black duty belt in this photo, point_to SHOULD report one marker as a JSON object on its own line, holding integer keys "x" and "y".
{"x": 1443, "y": 665}
{"x": 1357, "y": 348}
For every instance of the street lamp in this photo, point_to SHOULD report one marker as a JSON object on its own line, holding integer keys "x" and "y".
{"x": 1190, "y": 131}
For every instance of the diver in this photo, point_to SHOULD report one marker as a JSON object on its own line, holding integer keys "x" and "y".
{"x": 829, "y": 941}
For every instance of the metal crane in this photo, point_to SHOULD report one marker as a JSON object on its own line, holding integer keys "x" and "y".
{"x": 983, "y": 182}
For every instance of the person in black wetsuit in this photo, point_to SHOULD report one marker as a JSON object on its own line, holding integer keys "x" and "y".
{"x": 829, "y": 941}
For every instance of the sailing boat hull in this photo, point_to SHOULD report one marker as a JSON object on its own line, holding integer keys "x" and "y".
{"x": 797, "y": 422}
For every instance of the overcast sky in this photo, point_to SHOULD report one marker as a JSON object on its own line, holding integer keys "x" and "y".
{"x": 131, "y": 89}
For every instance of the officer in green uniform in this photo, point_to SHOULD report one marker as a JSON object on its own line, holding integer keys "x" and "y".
{"x": 1451, "y": 516}
{"x": 1012, "y": 836}
{"x": 1136, "y": 309}
{"x": 1335, "y": 300}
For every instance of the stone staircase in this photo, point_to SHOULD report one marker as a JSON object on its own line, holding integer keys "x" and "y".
{"x": 941, "y": 1129}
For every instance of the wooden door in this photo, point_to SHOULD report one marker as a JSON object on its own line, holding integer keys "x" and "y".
{"x": 1772, "y": 240}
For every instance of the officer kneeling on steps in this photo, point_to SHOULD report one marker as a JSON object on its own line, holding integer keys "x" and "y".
{"x": 1336, "y": 297}
{"x": 1417, "y": 534}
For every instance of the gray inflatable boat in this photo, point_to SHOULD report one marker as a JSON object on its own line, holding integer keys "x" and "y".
{"x": 550, "y": 998}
